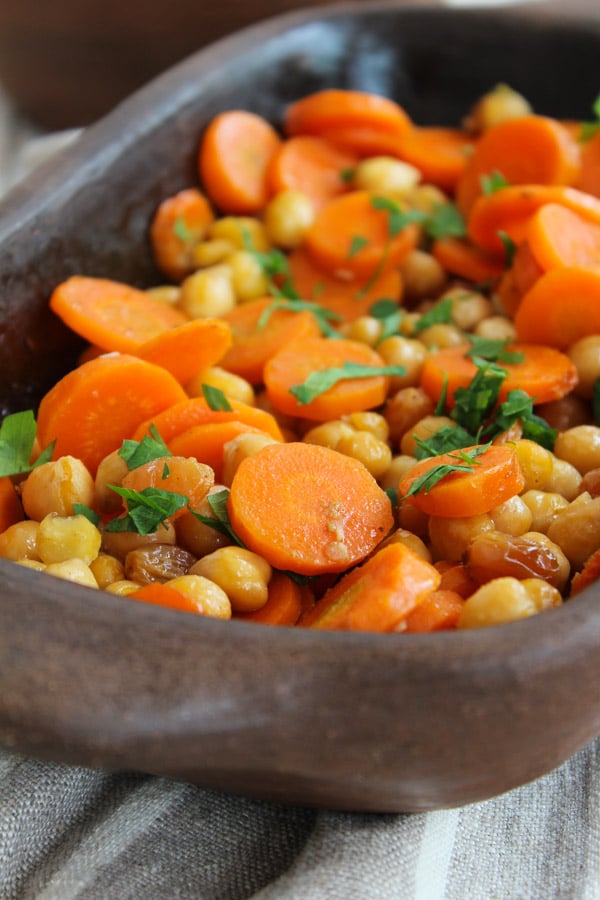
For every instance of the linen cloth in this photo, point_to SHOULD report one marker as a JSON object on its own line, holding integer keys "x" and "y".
{"x": 68, "y": 832}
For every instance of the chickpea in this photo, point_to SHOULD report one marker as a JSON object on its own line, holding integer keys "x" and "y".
{"x": 60, "y": 538}
{"x": 564, "y": 479}
{"x": 19, "y": 541}
{"x": 499, "y": 105}
{"x": 422, "y": 275}
{"x": 370, "y": 450}
{"x": 397, "y": 469}
{"x": 401, "y": 351}
{"x": 404, "y": 409}
{"x": 580, "y": 446}
{"x": 536, "y": 464}
{"x": 500, "y": 600}
{"x": 364, "y": 329}
{"x": 328, "y": 434}
{"x": 106, "y": 569}
{"x": 543, "y": 505}
{"x": 423, "y": 429}
{"x": 239, "y": 449}
{"x": 287, "y": 218}
{"x": 469, "y": 308}
{"x": 56, "y": 486}
{"x": 233, "y": 386}
{"x": 165, "y": 293}
{"x": 496, "y": 328}
{"x": 585, "y": 355}
{"x": 410, "y": 540}
{"x": 123, "y": 587}
{"x": 241, "y": 231}
{"x": 208, "y": 293}
{"x": 512, "y": 517}
{"x": 247, "y": 276}
{"x": 212, "y": 252}
{"x": 373, "y": 422}
{"x": 591, "y": 482}
{"x": 425, "y": 197}
{"x": 441, "y": 336}
{"x": 75, "y": 570}
{"x": 209, "y": 597}
{"x": 385, "y": 175}
{"x": 120, "y": 543}
{"x": 576, "y": 529}
{"x": 242, "y": 574}
{"x": 111, "y": 470}
{"x": 450, "y": 538}
{"x": 196, "y": 537}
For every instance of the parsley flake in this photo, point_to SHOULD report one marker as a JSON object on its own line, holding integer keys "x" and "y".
{"x": 493, "y": 182}
{"x": 138, "y": 453}
{"x": 319, "y": 382}
{"x": 493, "y": 350}
{"x": 80, "y": 509}
{"x": 182, "y": 231}
{"x": 439, "y": 314}
{"x": 357, "y": 243}
{"x": 510, "y": 248}
{"x": 387, "y": 312}
{"x": 216, "y": 399}
{"x": 220, "y": 521}
{"x": 465, "y": 461}
{"x": 17, "y": 437}
{"x": 323, "y": 316}
{"x": 474, "y": 404}
{"x": 146, "y": 509}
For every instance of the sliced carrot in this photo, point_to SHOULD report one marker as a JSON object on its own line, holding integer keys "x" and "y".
{"x": 509, "y": 210}
{"x": 561, "y": 307}
{"x": 494, "y": 477}
{"x": 440, "y": 154}
{"x": 349, "y": 299}
{"x": 363, "y": 140}
{"x": 181, "y": 475}
{"x": 188, "y": 349}
{"x": 545, "y": 374}
{"x": 466, "y": 261}
{"x": 589, "y": 175}
{"x": 308, "y": 509}
{"x": 378, "y": 595}
{"x": 164, "y": 595}
{"x": 207, "y": 442}
{"x": 588, "y": 575}
{"x": 526, "y": 150}
{"x": 259, "y": 330}
{"x": 525, "y": 269}
{"x": 235, "y": 153}
{"x": 194, "y": 411}
{"x": 311, "y": 165}
{"x": 457, "y": 579}
{"x": 333, "y": 109}
{"x": 352, "y": 238}
{"x": 179, "y": 223}
{"x": 95, "y": 407}
{"x": 508, "y": 293}
{"x": 296, "y": 362}
{"x": 438, "y": 611}
{"x": 557, "y": 237}
{"x": 11, "y": 510}
{"x": 284, "y": 604}
{"x": 112, "y": 315}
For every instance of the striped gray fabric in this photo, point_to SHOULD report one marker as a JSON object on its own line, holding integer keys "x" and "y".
{"x": 68, "y": 833}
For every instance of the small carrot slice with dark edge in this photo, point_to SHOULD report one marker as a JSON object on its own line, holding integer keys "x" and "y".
{"x": 561, "y": 307}
{"x": 559, "y": 237}
{"x": 164, "y": 595}
{"x": 588, "y": 575}
{"x": 332, "y": 110}
{"x": 235, "y": 153}
{"x": 179, "y": 224}
{"x": 376, "y": 596}
{"x": 308, "y": 509}
{"x": 284, "y": 604}
{"x": 349, "y": 299}
{"x": 94, "y": 408}
{"x": 438, "y": 611}
{"x": 355, "y": 236}
{"x": 465, "y": 482}
{"x": 193, "y": 411}
{"x": 466, "y": 261}
{"x": 440, "y": 154}
{"x": 508, "y": 211}
{"x": 188, "y": 349}
{"x": 544, "y": 373}
{"x": 11, "y": 510}
{"x": 291, "y": 375}
{"x": 112, "y": 315}
{"x": 207, "y": 442}
{"x": 259, "y": 329}
{"x": 312, "y": 165}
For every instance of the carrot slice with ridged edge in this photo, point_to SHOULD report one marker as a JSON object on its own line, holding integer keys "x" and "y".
{"x": 112, "y": 315}
{"x": 194, "y": 411}
{"x": 308, "y": 509}
{"x": 94, "y": 408}
{"x": 188, "y": 349}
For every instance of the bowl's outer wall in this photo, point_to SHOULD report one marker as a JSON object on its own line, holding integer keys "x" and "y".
{"x": 351, "y": 721}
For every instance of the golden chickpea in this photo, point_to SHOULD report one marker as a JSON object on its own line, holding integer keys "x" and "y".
{"x": 233, "y": 386}
{"x": 244, "y": 232}
{"x": 56, "y": 486}
{"x": 369, "y": 421}
{"x": 469, "y": 308}
{"x": 579, "y": 446}
{"x": 410, "y": 540}
{"x": 243, "y": 575}
{"x": 287, "y": 218}
{"x": 385, "y": 175}
{"x": 512, "y": 517}
{"x": 451, "y": 537}
{"x": 165, "y": 293}
{"x": 106, "y": 569}
{"x": 585, "y": 355}
{"x": 576, "y": 529}
{"x": 111, "y": 471}
{"x": 208, "y": 293}
{"x": 496, "y": 328}
{"x": 34, "y": 564}
{"x": 497, "y": 602}
{"x": 75, "y": 570}
{"x": 328, "y": 434}
{"x": 564, "y": 479}
{"x": 123, "y": 587}
{"x": 397, "y": 469}
{"x": 536, "y": 464}
{"x": 422, "y": 275}
{"x": 19, "y": 541}
{"x": 499, "y": 105}
{"x": 425, "y": 197}
{"x": 364, "y": 329}
{"x": 60, "y": 538}
{"x": 209, "y": 597}
{"x": 543, "y": 505}
{"x": 196, "y": 537}
{"x": 211, "y": 253}
{"x": 423, "y": 429}
{"x": 120, "y": 543}
{"x": 404, "y": 409}
{"x": 239, "y": 449}
{"x": 543, "y": 594}
{"x": 370, "y": 450}
{"x": 441, "y": 336}
{"x": 401, "y": 351}
{"x": 247, "y": 276}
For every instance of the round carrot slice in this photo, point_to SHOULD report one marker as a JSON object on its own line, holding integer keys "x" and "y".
{"x": 312, "y": 165}
{"x": 194, "y": 411}
{"x": 188, "y": 349}
{"x": 180, "y": 223}
{"x": 561, "y": 307}
{"x": 327, "y": 110}
{"x": 165, "y": 595}
{"x": 308, "y": 509}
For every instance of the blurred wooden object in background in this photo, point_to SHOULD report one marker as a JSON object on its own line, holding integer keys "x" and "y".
{"x": 64, "y": 63}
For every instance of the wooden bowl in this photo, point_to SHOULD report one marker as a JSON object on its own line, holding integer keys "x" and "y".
{"x": 352, "y": 721}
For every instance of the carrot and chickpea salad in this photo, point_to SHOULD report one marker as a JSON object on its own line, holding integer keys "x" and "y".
{"x": 367, "y": 395}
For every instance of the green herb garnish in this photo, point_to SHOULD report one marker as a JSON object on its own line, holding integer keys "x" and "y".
{"x": 493, "y": 350}
{"x": 387, "y": 312}
{"x": 17, "y": 437}
{"x": 589, "y": 129}
{"x": 346, "y": 175}
{"x": 80, "y": 509}
{"x": 319, "y": 382}
{"x": 474, "y": 404}
{"x": 492, "y": 183}
{"x": 445, "y": 220}
{"x": 138, "y": 453}
{"x": 182, "y": 231}
{"x": 466, "y": 460}
{"x": 220, "y": 521}
{"x": 146, "y": 510}
{"x": 510, "y": 248}
{"x": 216, "y": 399}
{"x": 447, "y": 439}
{"x": 440, "y": 314}
{"x": 357, "y": 243}
{"x": 322, "y": 315}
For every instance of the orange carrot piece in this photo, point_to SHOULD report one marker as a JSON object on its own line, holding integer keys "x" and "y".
{"x": 466, "y": 261}
{"x": 11, "y": 510}
{"x": 559, "y": 237}
{"x": 378, "y": 595}
{"x": 525, "y": 269}
{"x": 258, "y": 331}
{"x": 95, "y": 407}
{"x": 348, "y": 299}
{"x": 235, "y": 153}
{"x": 181, "y": 475}
{"x": 457, "y": 579}
{"x": 351, "y": 238}
{"x": 112, "y": 315}
{"x": 164, "y": 595}
{"x": 293, "y": 365}
{"x": 588, "y": 575}
{"x": 561, "y": 307}
{"x": 509, "y": 210}
{"x": 438, "y": 611}
{"x": 332, "y": 110}
{"x": 312, "y": 165}
{"x": 207, "y": 442}
{"x": 545, "y": 373}
{"x": 494, "y": 477}
{"x": 440, "y": 154}
{"x": 508, "y": 293}
{"x": 194, "y": 411}
{"x": 308, "y": 509}
{"x": 188, "y": 349}
{"x": 179, "y": 224}
{"x": 284, "y": 604}
{"x": 589, "y": 174}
